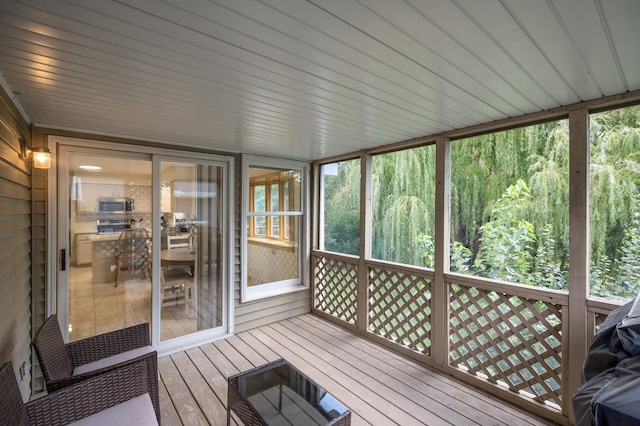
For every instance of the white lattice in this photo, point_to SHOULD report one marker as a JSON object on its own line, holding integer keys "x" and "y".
{"x": 508, "y": 340}
{"x": 400, "y": 308}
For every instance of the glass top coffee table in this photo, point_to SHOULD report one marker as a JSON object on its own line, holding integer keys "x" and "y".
{"x": 278, "y": 394}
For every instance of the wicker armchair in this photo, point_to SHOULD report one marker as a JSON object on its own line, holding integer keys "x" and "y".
{"x": 121, "y": 393}
{"x": 66, "y": 364}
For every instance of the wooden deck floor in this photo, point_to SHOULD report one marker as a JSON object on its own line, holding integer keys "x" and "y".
{"x": 379, "y": 387}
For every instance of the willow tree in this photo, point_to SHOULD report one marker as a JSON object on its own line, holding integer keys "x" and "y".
{"x": 342, "y": 208}
{"x": 484, "y": 167}
{"x": 403, "y": 191}
{"x": 614, "y": 200}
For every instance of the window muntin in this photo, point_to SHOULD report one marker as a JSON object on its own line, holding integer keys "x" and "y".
{"x": 509, "y": 205}
{"x": 614, "y": 187}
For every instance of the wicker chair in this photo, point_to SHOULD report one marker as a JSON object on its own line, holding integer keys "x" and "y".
{"x": 65, "y": 364}
{"x": 121, "y": 394}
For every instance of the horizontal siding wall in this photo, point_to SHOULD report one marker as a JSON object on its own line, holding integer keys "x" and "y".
{"x": 15, "y": 238}
{"x": 257, "y": 313}
{"x": 39, "y": 258}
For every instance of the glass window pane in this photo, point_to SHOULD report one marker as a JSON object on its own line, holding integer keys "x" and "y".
{"x": 509, "y": 205}
{"x": 259, "y": 198}
{"x": 268, "y": 262}
{"x": 260, "y": 226}
{"x": 341, "y": 207}
{"x": 275, "y": 199}
{"x": 285, "y": 197}
{"x": 615, "y": 203}
{"x": 191, "y": 274}
{"x": 403, "y": 203}
{"x": 93, "y": 272}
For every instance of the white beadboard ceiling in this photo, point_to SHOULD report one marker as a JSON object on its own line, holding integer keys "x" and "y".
{"x": 309, "y": 79}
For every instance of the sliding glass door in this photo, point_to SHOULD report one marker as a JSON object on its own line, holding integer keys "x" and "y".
{"x": 143, "y": 237}
{"x": 192, "y": 232}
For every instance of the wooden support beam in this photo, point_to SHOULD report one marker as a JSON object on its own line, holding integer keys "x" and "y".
{"x": 366, "y": 221}
{"x": 579, "y": 242}
{"x": 439, "y": 288}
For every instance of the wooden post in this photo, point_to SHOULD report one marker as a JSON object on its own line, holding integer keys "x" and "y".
{"x": 439, "y": 288}
{"x": 365, "y": 241}
{"x": 575, "y": 344}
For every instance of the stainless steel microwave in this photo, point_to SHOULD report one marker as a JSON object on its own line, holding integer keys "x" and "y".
{"x": 115, "y": 205}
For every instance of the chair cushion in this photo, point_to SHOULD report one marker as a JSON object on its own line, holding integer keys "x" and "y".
{"x": 112, "y": 360}
{"x": 136, "y": 411}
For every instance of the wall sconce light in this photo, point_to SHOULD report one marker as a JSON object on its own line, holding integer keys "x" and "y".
{"x": 41, "y": 156}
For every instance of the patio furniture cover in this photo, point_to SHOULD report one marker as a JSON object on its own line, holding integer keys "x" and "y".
{"x": 609, "y": 393}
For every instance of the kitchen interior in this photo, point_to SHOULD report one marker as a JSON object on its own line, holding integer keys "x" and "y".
{"x": 111, "y": 199}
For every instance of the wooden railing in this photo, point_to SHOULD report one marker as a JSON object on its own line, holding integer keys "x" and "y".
{"x": 507, "y": 338}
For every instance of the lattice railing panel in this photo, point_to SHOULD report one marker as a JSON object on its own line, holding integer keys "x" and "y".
{"x": 599, "y": 319}
{"x": 508, "y": 340}
{"x": 335, "y": 289}
{"x": 400, "y": 308}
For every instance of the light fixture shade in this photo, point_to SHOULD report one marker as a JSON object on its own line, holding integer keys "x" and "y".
{"x": 41, "y": 158}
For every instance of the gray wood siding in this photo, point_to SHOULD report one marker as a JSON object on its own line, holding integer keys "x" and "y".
{"x": 15, "y": 240}
{"x": 39, "y": 258}
{"x": 261, "y": 312}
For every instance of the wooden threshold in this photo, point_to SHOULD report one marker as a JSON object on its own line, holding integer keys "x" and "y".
{"x": 380, "y": 387}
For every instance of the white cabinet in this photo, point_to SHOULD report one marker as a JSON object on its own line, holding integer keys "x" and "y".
{"x": 89, "y": 201}
{"x": 183, "y": 197}
{"x": 92, "y": 192}
{"x": 111, "y": 191}
{"x": 84, "y": 250}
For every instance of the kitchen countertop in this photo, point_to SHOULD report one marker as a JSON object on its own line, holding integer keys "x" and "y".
{"x": 105, "y": 237}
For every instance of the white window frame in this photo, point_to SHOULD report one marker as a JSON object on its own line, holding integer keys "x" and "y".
{"x": 276, "y": 288}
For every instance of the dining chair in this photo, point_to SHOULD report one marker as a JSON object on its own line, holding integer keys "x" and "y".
{"x": 175, "y": 278}
{"x": 177, "y": 241}
{"x": 118, "y": 397}
{"x": 66, "y": 364}
{"x": 134, "y": 245}
{"x": 164, "y": 233}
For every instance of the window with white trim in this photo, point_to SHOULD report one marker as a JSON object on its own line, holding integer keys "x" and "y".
{"x": 275, "y": 227}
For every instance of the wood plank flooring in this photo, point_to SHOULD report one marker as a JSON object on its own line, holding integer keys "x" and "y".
{"x": 380, "y": 387}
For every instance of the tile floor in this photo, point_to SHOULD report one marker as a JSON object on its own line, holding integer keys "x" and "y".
{"x": 99, "y": 308}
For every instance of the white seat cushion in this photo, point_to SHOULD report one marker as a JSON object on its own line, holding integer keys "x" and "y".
{"x": 136, "y": 411}
{"x": 112, "y": 360}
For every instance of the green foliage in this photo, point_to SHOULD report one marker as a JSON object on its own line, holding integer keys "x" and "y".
{"x": 509, "y": 205}
{"x": 460, "y": 258}
{"x": 506, "y": 252}
{"x": 403, "y": 186}
{"x": 427, "y": 249}
{"x": 548, "y": 271}
{"x": 628, "y": 263}
{"x": 615, "y": 176}
{"x": 342, "y": 209}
